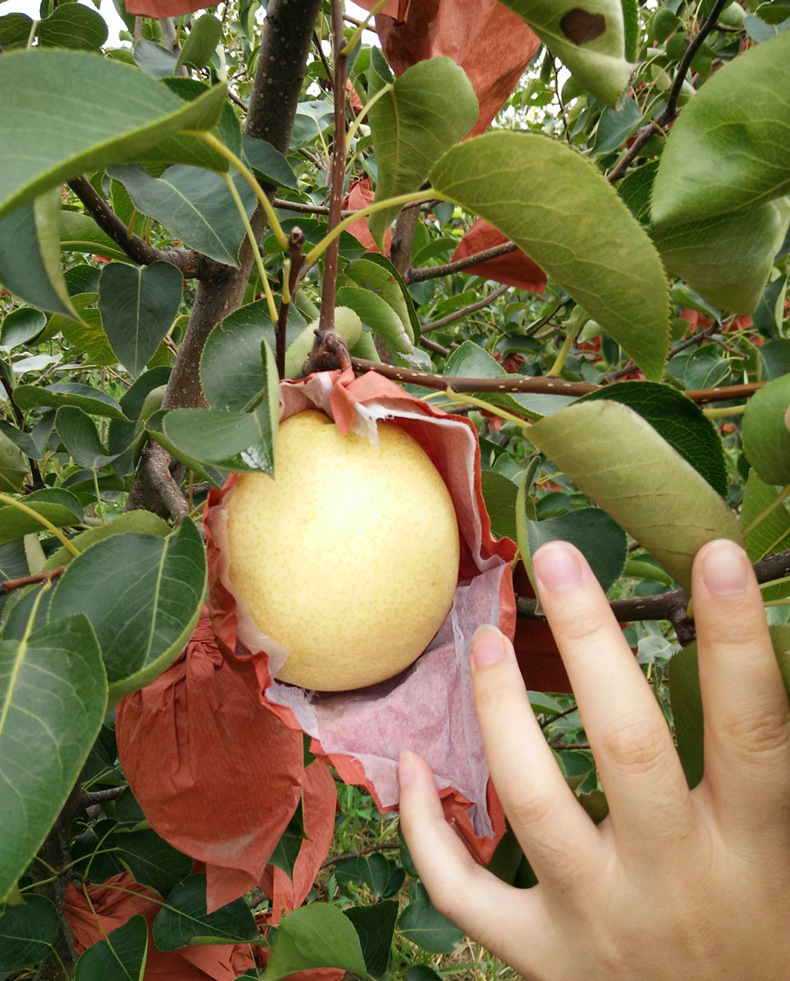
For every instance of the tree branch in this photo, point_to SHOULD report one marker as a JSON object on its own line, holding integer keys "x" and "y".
{"x": 434, "y": 272}
{"x": 465, "y": 311}
{"x": 538, "y": 383}
{"x": 191, "y": 264}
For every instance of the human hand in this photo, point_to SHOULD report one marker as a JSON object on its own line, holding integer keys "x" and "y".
{"x": 673, "y": 883}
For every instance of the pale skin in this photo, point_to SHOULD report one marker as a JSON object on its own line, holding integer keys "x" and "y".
{"x": 673, "y": 883}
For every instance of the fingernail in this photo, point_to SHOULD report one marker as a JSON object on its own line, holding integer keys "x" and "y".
{"x": 405, "y": 767}
{"x": 725, "y": 568}
{"x": 488, "y": 646}
{"x": 557, "y": 566}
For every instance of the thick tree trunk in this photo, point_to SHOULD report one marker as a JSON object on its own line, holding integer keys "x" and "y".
{"x": 287, "y": 34}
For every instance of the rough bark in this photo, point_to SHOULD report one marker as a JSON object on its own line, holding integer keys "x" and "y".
{"x": 287, "y": 34}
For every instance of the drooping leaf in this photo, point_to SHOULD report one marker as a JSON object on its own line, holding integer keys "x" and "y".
{"x": 269, "y": 163}
{"x": 143, "y": 596}
{"x": 686, "y": 699}
{"x": 723, "y": 152}
{"x": 678, "y": 420}
{"x": 30, "y": 255}
{"x": 589, "y": 39}
{"x": 154, "y": 59}
{"x": 85, "y": 397}
{"x": 602, "y": 542}
{"x": 149, "y": 858}
{"x": 376, "y": 314}
{"x": 195, "y": 205}
{"x": 500, "y": 492}
{"x": 315, "y": 936}
{"x": 425, "y": 926}
{"x": 58, "y": 507}
{"x": 53, "y": 696}
{"x": 429, "y": 107}
{"x": 86, "y": 336}
{"x": 20, "y": 326}
{"x": 228, "y": 440}
{"x": 727, "y": 258}
{"x": 89, "y": 112}
{"x": 138, "y": 305}
{"x": 121, "y": 957}
{"x": 201, "y": 43}
{"x": 183, "y": 920}
{"x": 27, "y": 932}
{"x": 375, "y": 926}
{"x": 766, "y": 438}
{"x": 618, "y": 460}
{"x": 34, "y": 443}
{"x": 376, "y": 273}
{"x": 561, "y": 211}
{"x": 78, "y": 433}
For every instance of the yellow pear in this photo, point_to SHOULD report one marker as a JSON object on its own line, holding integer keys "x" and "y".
{"x": 348, "y": 556}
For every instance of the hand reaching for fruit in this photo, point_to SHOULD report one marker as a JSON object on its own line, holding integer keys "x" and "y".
{"x": 673, "y": 883}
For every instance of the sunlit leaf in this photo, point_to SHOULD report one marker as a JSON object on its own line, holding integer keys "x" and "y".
{"x": 315, "y": 936}
{"x": 620, "y": 462}
{"x": 730, "y": 146}
{"x": 429, "y": 107}
{"x": 89, "y": 112}
{"x": 561, "y": 211}
{"x": 588, "y": 38}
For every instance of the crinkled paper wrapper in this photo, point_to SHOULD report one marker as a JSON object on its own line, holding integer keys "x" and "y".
{"x": 428, "y": 708}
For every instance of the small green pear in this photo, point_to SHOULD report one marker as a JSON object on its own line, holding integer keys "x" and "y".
{"x": 347, "y": 557}
{"x": 347, "y": 324}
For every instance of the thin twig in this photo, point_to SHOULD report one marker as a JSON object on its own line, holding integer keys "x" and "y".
{"x": 20, "y": 582}
{"x": 465, "y": 311}
{"x": 434, "y": 272}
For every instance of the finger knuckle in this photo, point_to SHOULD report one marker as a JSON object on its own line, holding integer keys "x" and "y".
{"x": 766, "y": 733}
{"x": 529, "y": 811}
{"x": 638, "y": 745}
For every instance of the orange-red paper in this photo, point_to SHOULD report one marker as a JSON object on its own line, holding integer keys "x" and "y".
{"x": 514, "y": 268}
{"x": 360, "y": 195}
{"x": 217, "y": 773}
{"x": 491, "y": 43}
{"x": 429, "y": 707}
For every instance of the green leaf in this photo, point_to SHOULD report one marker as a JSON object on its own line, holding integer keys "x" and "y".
{"x": 376, "y": 273}
{"x": 602, "y": 542}
{"x": 728, "y": 258}
{"x": 143, "y": 595}
{"x": 183, "y": 920}
{"x": 201, "y": 43}
{"x": 140, "y": 522}
{"x": 681, "y": 422}
{"x": 34, "y": 443}
{"x": 59, "y": 507}
{"x": 121, "y": 957}
{"x": 30, "y": 255}
{"x": 27, "y": 932}
{"x": 589, "y": 39}
{"x": 149, "y": 858}
{"x": 228, "y": 440}
{"x": 562, "y": 212}
{"x": 194, "y": 205}
{"x": 21, "y": 326}
{"x": 138, "y": 305}
{"x": 73, "y": 25}
{"x": 15, "y": 30}
{"x": 376, "y": 314}
{"x": 153, "y": 59}
{"x": 431, "y": 930}
{"x": 268, "y": 163}
{"x": 723, "y": 153}
{"x": 53, "y": 696}
{"x": 230, "y": 366}
{"x": 766, "y": 438}
{"x": 500, "y": 497}
{"x": 375, "y": 926}
{"x": 687, "y": 700}
{"x": 767, "y": 531}
{"x": 618, "y": 460}
{"x": 87, "y": 336}
{"x": 85, "y": 397}
{"x": 79, "y": 233}
{"x": 154, "y": 427}
{"x": 315, "y": 936}
{"x": 79, "y": 436}
{"x": 381, "y": 875}
{"x": 428, "y": 108}
{"x": 89, "y": 112}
